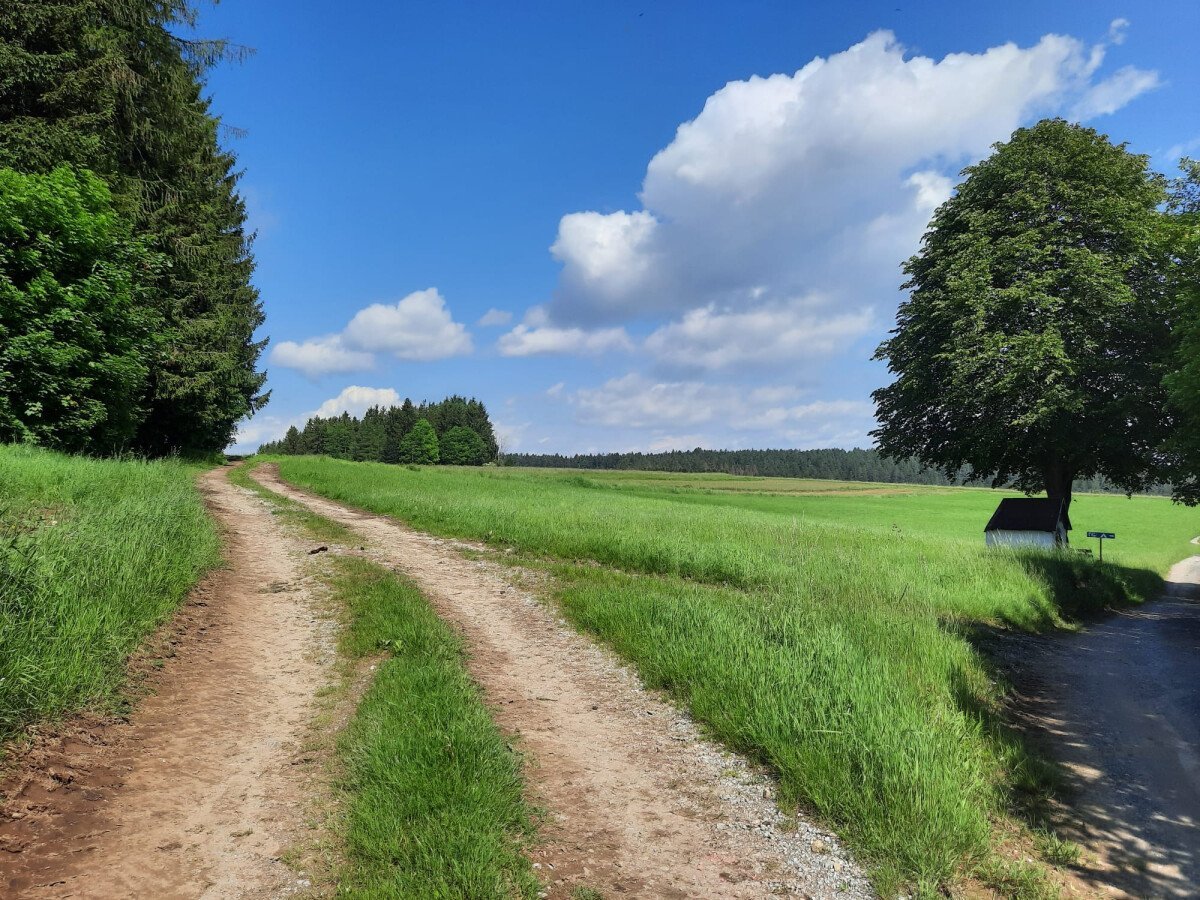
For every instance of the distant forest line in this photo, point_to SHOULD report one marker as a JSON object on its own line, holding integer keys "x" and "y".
{"x": 833, "y": 463}
{"x": 455, "y": 431}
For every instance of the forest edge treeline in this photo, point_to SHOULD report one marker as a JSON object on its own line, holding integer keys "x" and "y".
{"x": 832, "y": 463}
{"x": 455, "y": 431}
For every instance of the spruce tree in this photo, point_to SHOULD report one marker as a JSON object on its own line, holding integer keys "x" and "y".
{"x": 106, "y": 85}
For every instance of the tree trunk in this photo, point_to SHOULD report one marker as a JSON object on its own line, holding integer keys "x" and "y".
{"x": 1059, "y": 479}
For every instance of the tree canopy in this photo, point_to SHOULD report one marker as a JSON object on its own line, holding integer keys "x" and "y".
{"x": 1183, "y": 383}
{"x": 461, "y": 446}
{"x": 1035, "y": 339}
{"x": 108, "y": 87}
{"x": 420, "y": 445}
{"x": 74, "y": 334}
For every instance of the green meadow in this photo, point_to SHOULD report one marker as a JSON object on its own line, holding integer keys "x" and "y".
{"x": 94, "y": 555}
{"x": 823, "y": 628}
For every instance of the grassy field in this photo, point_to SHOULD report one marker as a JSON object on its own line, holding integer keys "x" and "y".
{"x": 93, "y": 556}
{"x": 432, "y": 795}
{"x": 824, "y": 628}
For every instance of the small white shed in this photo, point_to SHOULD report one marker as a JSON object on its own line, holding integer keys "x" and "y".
{"x": 1028, "y": 522}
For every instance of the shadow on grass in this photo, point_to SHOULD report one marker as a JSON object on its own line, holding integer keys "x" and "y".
{"x": 1080, "y": 588}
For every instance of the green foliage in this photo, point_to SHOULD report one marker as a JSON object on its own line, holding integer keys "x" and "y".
{"x": 93, "y": 556}
{"x": 435, "y": 806}
{"x": 420, "y": 445}
{"x": 823, "y": 630}
{"x": 74, "y": 330}
{"x": 1033, "y": 345}
{"x": 460, "y": 446}
{"x": 105, "y": 85}
{"x": 1184, "y": 382}
{"x": 380, "y": 435}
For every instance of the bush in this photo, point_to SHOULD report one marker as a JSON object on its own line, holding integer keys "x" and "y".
{"x": 420, "y": 445}
{"x": 74, "y": 335}
{"x": 461, "y": 446}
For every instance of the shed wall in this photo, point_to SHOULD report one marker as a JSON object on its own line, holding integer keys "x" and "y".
{"x": 1041, "y": 539}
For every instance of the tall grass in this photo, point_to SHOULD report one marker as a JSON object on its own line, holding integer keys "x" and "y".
{"x": 435, "y": 795}
{"x": 823, "y": 634}
{"x": 93, "y": 556}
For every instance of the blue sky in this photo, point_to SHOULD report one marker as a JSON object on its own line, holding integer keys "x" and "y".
{"x": 647, "y": 225}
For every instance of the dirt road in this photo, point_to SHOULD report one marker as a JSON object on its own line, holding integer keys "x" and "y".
{"x": 1119, "y": 705}
{"x": 196, "y": 796}
{"x": 639, "y": 805}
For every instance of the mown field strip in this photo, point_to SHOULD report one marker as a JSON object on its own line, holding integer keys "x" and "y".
{"x": 636, "y": 802}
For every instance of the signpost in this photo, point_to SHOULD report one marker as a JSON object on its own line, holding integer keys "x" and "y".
{"x": 1102, "y": 535}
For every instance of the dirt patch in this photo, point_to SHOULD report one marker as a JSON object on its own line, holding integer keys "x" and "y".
{"x": 1118, "y": 705}
{"x": 638, "y": 804}
{"x": 202, "y": 790}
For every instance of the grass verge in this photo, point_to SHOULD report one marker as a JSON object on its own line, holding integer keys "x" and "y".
{"x": 838, "y": 652}
{"x": 94, "y": 555}
{"x": 431, "y": 793}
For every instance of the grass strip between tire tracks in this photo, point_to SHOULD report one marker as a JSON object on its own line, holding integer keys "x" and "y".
{"x": 432, "y": 793}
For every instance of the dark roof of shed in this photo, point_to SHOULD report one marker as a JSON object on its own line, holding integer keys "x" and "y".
{"x": 1028, "y": 514}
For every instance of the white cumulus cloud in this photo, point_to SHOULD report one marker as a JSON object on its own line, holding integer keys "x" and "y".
{"x": 820, "y": 181}
{"x": 417, "y": 328}
{"x": 532, "y": 340}
{"x": 494, "y": 317}
{"x": 356, "y": 400}
{"x": 1114, "y": 92}
{"x": 710, "y": 338}
{"x": 320, "y": 356}
{"x": 635, "y": 401}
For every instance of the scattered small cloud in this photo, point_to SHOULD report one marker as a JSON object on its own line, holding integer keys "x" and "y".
{"x": 555, "y": 390}
{"x": 356, "y": 400}
{"x": 320, "y": 356}
{"x": 1116, "y": 31}
{"x": 417, "y": 328}
{"x": 528, "y": 340}
{"x": 494, "y": 318}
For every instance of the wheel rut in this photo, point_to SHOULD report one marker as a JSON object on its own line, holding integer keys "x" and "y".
{"x": 196, "y": 795}
{"x": 638, "y": 804}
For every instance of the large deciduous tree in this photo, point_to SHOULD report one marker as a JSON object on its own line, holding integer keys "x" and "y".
{"x": 1032, "y": 347}
{"x": 1184, "y": 382}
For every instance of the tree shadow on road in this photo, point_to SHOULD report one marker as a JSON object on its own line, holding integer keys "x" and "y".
{"x": 1115, "y": 707}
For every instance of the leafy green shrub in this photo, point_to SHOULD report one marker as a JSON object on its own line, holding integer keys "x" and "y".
{"x": 463, "y": 447}
{"x": 75, "y": 334}
{"x": 420, "y": 445}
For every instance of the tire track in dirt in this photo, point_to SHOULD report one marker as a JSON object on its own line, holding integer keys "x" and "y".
{"x": 196, "y": 795}
{"x": 638, "y": 804}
